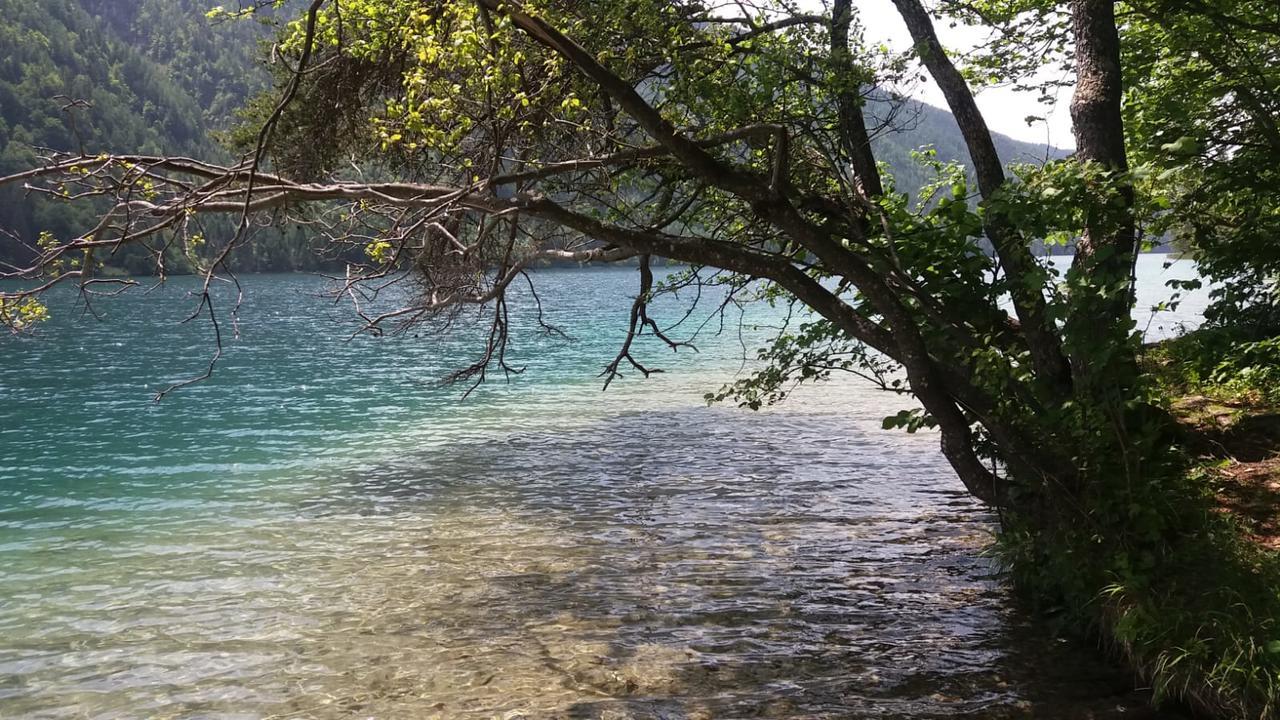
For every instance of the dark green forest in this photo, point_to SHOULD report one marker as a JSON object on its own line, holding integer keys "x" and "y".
{"x": 160, "y": 77}
{"x": 156, "y": 77}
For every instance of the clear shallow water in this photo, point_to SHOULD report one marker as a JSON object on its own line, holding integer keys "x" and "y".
{"x": 320, "y": 532}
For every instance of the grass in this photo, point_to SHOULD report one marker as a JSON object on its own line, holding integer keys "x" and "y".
{"x": 1207, "y": 631}
{"x": 1198, "y": 615}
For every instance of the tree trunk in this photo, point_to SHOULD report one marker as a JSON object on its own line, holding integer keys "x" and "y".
{"x": 1012, "y": 249}
{"x": 853, "y": 125}
{"x": 1105, "y": 253}
{"x": 1095, "y": 107}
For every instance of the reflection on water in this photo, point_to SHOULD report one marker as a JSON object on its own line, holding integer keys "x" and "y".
{"x": 311, "y": 536}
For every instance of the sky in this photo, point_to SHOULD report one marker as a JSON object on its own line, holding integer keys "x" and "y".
{"x": 1004, "y": 108}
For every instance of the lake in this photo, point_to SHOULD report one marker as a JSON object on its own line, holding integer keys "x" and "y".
{"x": 323, "y": 531}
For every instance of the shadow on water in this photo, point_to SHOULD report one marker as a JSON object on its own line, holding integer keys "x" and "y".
{"x": 712, "y": 564}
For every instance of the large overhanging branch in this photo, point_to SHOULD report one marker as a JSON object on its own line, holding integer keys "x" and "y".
{"x": 452, "y": 233}
{"x": 432, "y": 201}
{"x": 768, "y": 199}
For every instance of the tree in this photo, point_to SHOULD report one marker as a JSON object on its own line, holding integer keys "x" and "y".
{"x": 1204, "y": 98}
{"x": 488, "y": 136}
{"x": 749, "y": 133}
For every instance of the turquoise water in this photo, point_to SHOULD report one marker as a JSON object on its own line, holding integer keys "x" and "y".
{"x": 321, "y": 530}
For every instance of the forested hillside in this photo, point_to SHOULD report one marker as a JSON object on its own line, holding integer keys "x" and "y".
{"x": 916, "y": 125}
{"x": 160, "y": 78}
{"x": 157, "y": 77}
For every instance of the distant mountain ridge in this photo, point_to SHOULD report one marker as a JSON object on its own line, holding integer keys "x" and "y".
{"x": 920, "y": 124}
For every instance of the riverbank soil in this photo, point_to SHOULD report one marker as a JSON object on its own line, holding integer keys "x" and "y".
{"x": 1238, "y": 440}
{"x": 1222, "y": 385}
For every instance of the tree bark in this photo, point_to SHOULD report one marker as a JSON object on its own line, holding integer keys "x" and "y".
{"x": 1105, "y": 252}
{"x": 853, "y": 124}
{"x": 1095, "y": 107}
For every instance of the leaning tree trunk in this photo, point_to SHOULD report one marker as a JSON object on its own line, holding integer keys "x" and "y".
{"x": 1010, "y": 246}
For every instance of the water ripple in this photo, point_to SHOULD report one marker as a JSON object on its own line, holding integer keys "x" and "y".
{"x": 310, "y": 536}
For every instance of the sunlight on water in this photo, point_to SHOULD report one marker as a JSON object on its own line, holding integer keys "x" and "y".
{"x": 320, "y": 531}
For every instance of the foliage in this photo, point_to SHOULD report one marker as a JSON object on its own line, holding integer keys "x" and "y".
{"x": 1197, "y": 612}
{"x": 1232, "y": 363}
{"x": 1201, "y": 111}
{"x": 22, "y": 313}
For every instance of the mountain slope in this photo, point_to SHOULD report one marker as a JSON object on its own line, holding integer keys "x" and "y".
{"x": 158, "y": 80}
{"x": 917, "y": 125}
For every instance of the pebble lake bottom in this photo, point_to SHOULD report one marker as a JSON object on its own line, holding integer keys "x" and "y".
{"x": 320, "y": 531}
